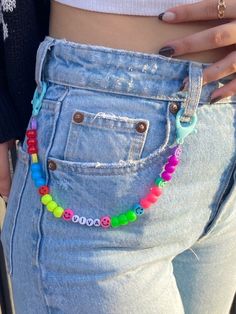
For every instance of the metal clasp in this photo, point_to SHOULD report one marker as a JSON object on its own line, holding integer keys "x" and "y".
{"x": 184, "y": 131}
{"x": 37, "y": 99}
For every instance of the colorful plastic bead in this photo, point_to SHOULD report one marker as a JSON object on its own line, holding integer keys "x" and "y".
{"x": 160, "y": 182}
{"x": 32, "y": 150}
{"x": 156, "y": 190}
{"x": 31, "y": 141}
{"x": 34, "y": 158}
{"x": 46, "y": 199}
{"x": 68, "y": 214}
{"x": 31, "y": 133}
{"x": 173, "y": 161}
{"x": 82, "y": 220}
{"x": 169, "y": 168}
{"x": 115, "y": 222}
{"x": 131, "y": 216}
{"x": 89, "y": 222}
{"x": 51, "y": 206}
{"x": 151, "y": 197}
{"x": 75, "y": 218}
{"x": 105, "y": 221}
{"x": 58, "y": 212}
{"x": 43, "y": 190}
{"x": 166, "y": 176}
{"x": 39, "y": 182}
{"x": 97, "y": 222}
{"x": 138, "y": 210}
{"x": 33, "y": 123}
{"x": 123, "y": 220}
{"x": 36, "y": 175}
{"x": 145, "y": 203}
{"x": 36, "y": 167}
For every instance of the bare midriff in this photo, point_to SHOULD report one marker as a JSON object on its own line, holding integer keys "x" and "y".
{"x": 130, "y": 32}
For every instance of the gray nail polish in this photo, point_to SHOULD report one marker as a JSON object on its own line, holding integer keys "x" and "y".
{"x": 166, "y": 51}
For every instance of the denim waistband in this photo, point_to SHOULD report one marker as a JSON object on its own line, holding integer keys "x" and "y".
{"x": 120, "y": 71}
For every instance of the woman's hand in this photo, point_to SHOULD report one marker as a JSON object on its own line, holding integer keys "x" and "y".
{"x": 215, "y": 37}
{"x": 5, "y": 174}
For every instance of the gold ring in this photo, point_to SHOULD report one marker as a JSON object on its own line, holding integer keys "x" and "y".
{"x": 221, "y": 9}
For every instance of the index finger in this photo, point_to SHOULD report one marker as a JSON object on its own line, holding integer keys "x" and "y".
{"x": 203, "y": 10}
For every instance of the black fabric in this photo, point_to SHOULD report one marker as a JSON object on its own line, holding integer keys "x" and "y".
{"x": 27, "y": 24}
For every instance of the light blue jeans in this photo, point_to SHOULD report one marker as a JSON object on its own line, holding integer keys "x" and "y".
{"x": 180, "y": 256}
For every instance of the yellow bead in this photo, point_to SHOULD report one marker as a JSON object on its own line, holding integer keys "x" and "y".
{"x": 34, "y": 158}
{"x": 58, "y": 212}
{"x": 45, "y": 199}
{"x": 51, "y": 206}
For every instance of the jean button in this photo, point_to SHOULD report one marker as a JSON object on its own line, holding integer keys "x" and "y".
{"x": 141, "y": 127}
{"x": 52, "y": 165}
{"x": 78, "y": 117}
{"x": 174, "y": 107}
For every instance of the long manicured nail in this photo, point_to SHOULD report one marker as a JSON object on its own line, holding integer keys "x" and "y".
{"x": 213, "y": 100}
{"x": 167, "y": 16}
{"x": 166, "y": 51}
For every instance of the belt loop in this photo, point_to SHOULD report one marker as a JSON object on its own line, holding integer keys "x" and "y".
{"x": 194, "y": 91}
{"x": 44, "y": 46}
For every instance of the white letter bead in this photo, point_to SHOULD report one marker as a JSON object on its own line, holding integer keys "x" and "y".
{"x": 89, "y": 222}
{"x": 96, "y": 222}
{"x": 82, "y": 220}
{"x": 75, "y": 218}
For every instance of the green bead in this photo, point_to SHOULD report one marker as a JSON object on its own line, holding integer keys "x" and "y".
{"x": 58, "y": 212}
{"x": 131, "y": 216}
{"x": 51, "y": 206}
{"x": 115, "y": 222}
{"x": 160, "y": 182}
{"x": 123, "y": 219}
{"x": 45, "y": 199}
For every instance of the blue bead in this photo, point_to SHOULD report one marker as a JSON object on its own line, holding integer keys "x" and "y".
{"x": 138, "y": 210}
{"x": 36, "y": 175}
{"x": 36, "y": 166}
{"x": 39, "y": 182}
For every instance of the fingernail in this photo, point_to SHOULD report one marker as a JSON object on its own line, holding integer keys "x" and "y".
{"x": 167, "y": 16}
{"x": 213, "y": 100}
{"x": 166, "y": 51}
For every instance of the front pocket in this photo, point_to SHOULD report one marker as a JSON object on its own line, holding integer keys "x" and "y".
{"x": 103, "y": 137}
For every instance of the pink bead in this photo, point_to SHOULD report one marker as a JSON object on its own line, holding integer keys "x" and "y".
{"x": 105, "y": 221}
{"x": 169, "y": 168}
{"x": 166, "y": 176}
{"x": 68, "y": 213}
{"x": 33, "y": 124}
{"x": 145, "y": 203}
{"x": 151, "y": 198}
{"x": 173, "y": 161}
{"x": 156, "y": 190}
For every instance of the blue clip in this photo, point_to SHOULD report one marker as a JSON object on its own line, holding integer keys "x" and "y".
{"x": 183, "y": 131}
{"x": 37, "y": 99}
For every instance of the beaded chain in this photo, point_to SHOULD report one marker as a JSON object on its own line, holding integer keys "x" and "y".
{"x": 105, "y": 222}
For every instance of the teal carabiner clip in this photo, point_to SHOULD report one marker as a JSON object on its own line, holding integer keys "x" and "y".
{"x": 37, "y": 99}
{"x": 184, "y": 131}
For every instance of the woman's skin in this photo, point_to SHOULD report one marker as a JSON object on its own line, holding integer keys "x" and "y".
{"x": 195, "y": 34}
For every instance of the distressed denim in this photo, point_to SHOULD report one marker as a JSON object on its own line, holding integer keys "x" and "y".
{"x": 180, "y": 256}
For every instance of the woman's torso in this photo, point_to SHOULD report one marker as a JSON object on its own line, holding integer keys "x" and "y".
{"x": 131, "y": 32}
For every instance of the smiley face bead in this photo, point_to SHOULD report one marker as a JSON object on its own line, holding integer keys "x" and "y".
{"x": 105, "y": 221}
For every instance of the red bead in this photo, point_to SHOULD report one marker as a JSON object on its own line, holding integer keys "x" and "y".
{"x": 32, "y": 141}
{"x": 32, "y": 150}
{"x": 151, "y": 198}
{"x": 145, "y": 203}
{"x": 43, "y": 190}
{"x": 31, "y": 133}
{"x": 156, "y": 190}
